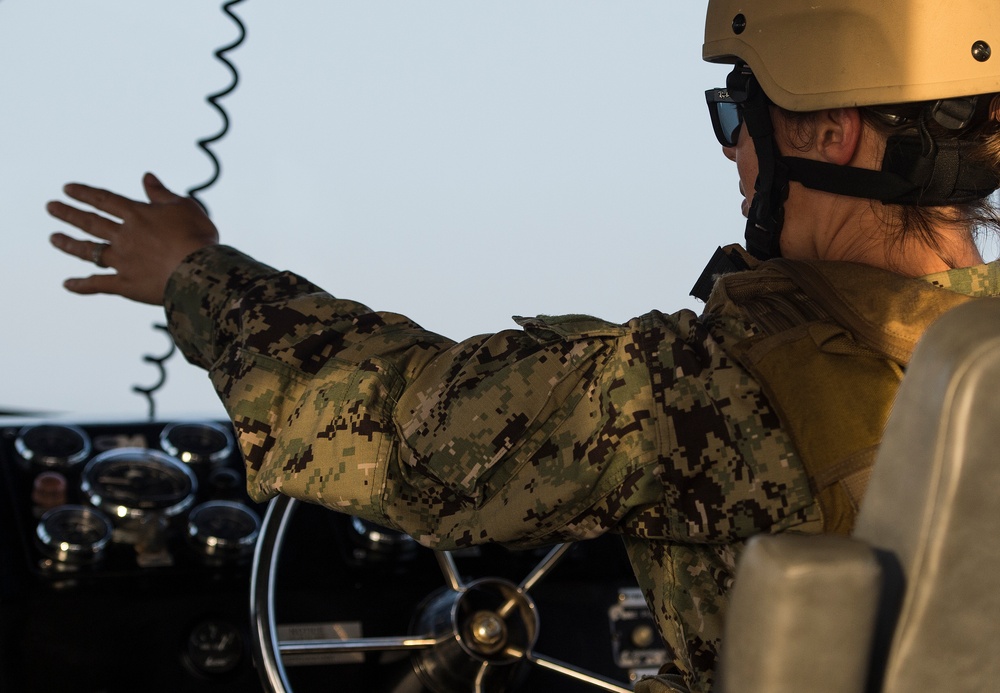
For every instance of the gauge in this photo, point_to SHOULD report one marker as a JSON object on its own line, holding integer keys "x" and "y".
{"x": 223, "y": 529}
{"x": 215, "y": 647}
{"x": 130, "y": 483}
{"x": 197, "y": 443}
{"x": 53, "y": 446}
{"x": 73, "y": 534}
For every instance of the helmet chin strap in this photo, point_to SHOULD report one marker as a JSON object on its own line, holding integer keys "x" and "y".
{"x": 767, "y": 213}
{"x": 915, "y": 171}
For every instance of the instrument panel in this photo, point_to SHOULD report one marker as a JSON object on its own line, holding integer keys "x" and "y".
{"x": 125, "y": 561}
{"x": 127, "y": 550}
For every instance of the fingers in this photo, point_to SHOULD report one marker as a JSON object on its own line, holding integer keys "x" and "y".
{"x": 94, "y": 284}
{"x": 156, "y": 191}
{"x": 92, "y": 223}
{"x": 85, "y": 250}
{"x": 100, "y": 199}
{"x": 92, "y": 252}
{"x": 111, "y": 203}
{"x": 104, "y": 200}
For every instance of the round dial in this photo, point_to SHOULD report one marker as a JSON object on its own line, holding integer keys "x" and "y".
{"x": 134, "y": 482}
{"x": 53, "y": 446}
{"x": 215, "y": 647}
{"x": 223, "y": 529}
{"x": 74, "y": 534}
{"x": 197, "y": 443}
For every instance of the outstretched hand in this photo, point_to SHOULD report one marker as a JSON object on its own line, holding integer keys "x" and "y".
{"x": 144, "y": 248}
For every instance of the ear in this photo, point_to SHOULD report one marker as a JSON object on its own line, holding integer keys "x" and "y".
{"x": 838, "y": 135}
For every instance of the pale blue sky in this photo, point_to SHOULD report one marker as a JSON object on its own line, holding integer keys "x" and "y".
{"x": 455, "y": 161}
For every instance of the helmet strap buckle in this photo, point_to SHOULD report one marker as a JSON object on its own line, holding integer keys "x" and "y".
{"x": 954, "y": 114}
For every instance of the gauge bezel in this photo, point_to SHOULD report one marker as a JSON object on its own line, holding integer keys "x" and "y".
{"x": 95, "y": 493}
{"x": 32, "y": 457}
{"x": 193, "y": 457}
{"x": 214, "y": 546}
{"x": 215, "y": 647}
{"x": 72, "y": 553}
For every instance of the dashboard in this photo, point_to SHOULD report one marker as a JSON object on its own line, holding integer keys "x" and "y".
{"x": 127, "y": 555}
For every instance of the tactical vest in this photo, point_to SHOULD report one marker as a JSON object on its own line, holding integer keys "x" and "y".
{"x": 834, "y": 339}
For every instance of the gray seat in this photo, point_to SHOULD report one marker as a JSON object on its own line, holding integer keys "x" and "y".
{"x": 912, "y": 601}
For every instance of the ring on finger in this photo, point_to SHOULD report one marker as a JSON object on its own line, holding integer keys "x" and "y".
{"x": 97, "y": 254}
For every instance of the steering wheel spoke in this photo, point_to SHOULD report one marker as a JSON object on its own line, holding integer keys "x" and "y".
{"x": 450, "y": 570}
{"x": 291, "y": 650}
{"x": 467, "y": 636}
{"x": 545, "y": 567}
{"x": 576, "y": 673}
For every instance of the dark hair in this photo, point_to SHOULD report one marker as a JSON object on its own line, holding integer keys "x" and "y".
{"x": 981, "y": 217}
{"x": 914, "y": 222}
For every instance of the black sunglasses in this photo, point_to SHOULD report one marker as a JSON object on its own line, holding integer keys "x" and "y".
{"x": 726, "y": 104}
{"x": 727, "y": 115}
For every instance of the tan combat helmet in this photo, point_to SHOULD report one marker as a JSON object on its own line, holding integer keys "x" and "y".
{"x": 815, "y": 54}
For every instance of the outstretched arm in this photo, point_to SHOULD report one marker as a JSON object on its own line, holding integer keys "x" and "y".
{"x": 144, "y": 247}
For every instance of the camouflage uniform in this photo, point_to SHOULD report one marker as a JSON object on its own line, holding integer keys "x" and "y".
{"x": 565, "y": 429}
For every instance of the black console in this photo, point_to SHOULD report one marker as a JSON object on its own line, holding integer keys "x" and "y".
{"x": 128, "y": 567}
{"x": 125, "y": 565}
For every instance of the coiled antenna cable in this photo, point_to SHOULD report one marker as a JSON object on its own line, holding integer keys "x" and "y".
{"x": 158, "y": 362}
{"x": 213, "y": 100}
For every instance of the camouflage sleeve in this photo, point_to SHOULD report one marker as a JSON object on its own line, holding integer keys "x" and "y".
{"x": 564, "y": 429}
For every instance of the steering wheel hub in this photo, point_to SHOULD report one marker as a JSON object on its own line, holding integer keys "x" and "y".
{"x": 465, "y": 637}
{"x": 483, "y": 632}
{"x": 487, "y": 632}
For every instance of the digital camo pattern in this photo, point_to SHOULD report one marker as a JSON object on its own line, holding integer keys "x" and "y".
{"x": 565, "y": 429}
{"x": 983, "y": 280}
